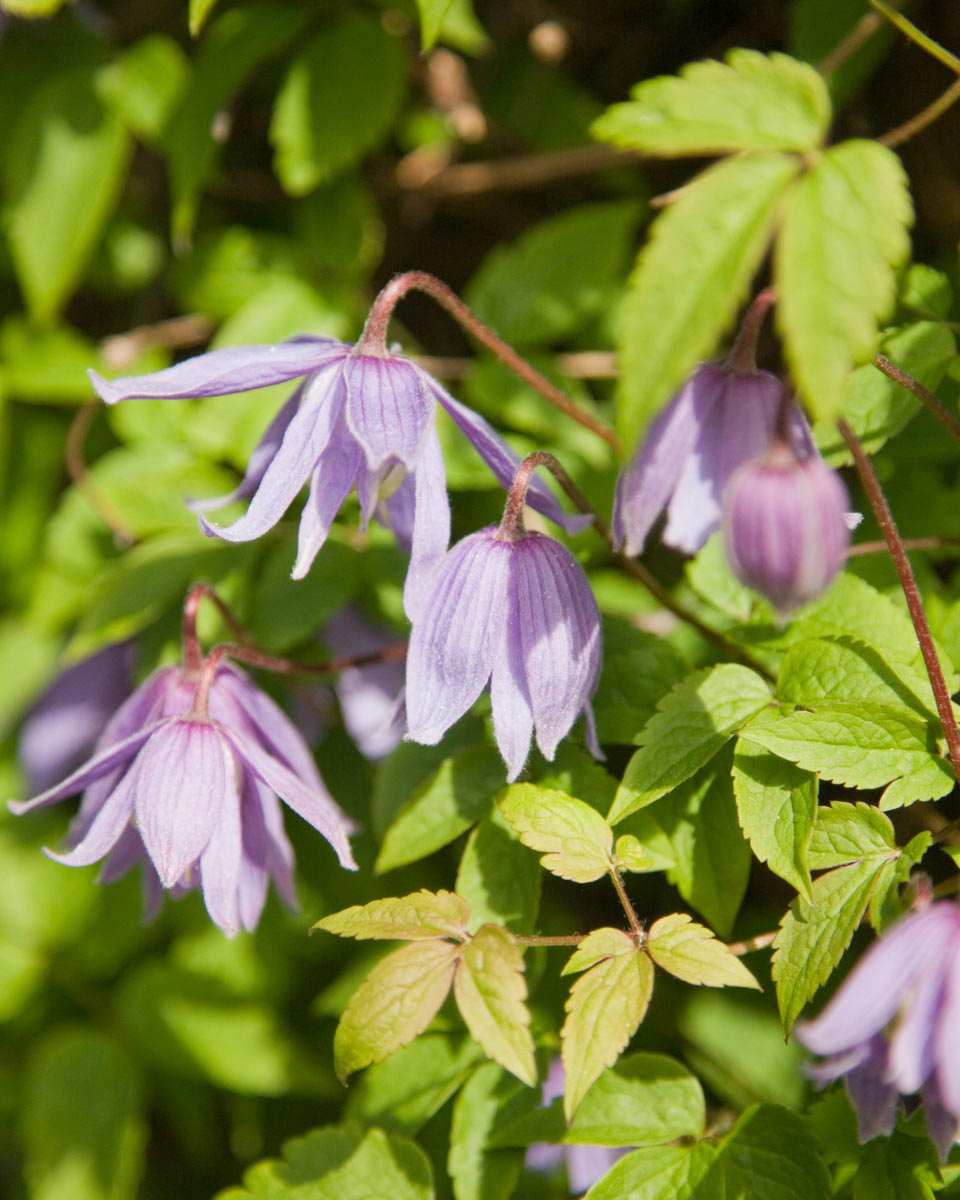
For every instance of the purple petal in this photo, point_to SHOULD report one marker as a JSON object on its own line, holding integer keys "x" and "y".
{"x": 279, "y": 853}
{"x": 389, "y": 408}
{"x": 455, "y": 641}
{"x": 107, "y": 760}
{"x": 306, "y": 438}
{"x": 509, "y": 694}
{"x": 397, "y": 513}
{"x": 942, "y": 1125}
{"x": 559, "y": 628}
{"x": 946, "y": 1048}
{"x": 503, "y": 462}
{"x": 650, "y": 478}
{"x": 184, "y": 776}
{"x": 367, "y": 695}
{"x": 106, "y": 828}
{"x": 874, "y": 1099}
{"x": 431, "y": 526}
{"x": 260, "y": 459}
{"x": 874, "y": 989}
{"x": 220, "y": 863}
{"x": 315, "y": 805}
{"x": 587, "y": 1164}
{"x": 910, "y": 1058}
{"x": 223, "y": 372}
{"x": 125, "y": 855}
{"x": 333, "y": 477}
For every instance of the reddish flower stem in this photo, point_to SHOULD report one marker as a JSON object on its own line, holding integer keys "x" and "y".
{"x": 924, "y": 395}
{"x": 192, "y": 656}
{"x": 635, "y": 926}
{"x": 77, "y": 469}
{"x": 374, "y": 337}
{"x": 891, "y": 535}
{"x": 742, "y": 359}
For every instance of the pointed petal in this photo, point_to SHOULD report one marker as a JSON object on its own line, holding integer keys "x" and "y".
{"x": 560, "y": 634}
{"x": 183, "y": 779}
{"x": 333, "y": 477}
{"x": 693, "y": 511}
{"x": 910, "y": 1058}
{"x": 390, "y": 408}
{"x": 220, "y": 863}
{"x": 503, "y": 463}
{"x": 113, "y": 757}
{"x": 279, "y": 855}
{"x": 396, "y": 513}
{"x": 431, "y": 526}
{"x": 127, "y": 852}
{"x": 260, "y": 459}
{"x": 942, "y": 1125}
{"x": 306, "y": 438}
{"x": 455, "y": 641}
{"x": 316, "y": 806}
{"x": 874, "y": 989}
{"x": 509, "y": 697}
{"x": 874, "y": 1100}
{"x": 746, "y": 419}
{"x": 252, "y": 878}
{"x": 106, "y": 828}
{"x": 946, "y": 1049}
{"x": 590, "y": 733}
{"x": 651, "y": 477}
{"x": 223, "y": 372}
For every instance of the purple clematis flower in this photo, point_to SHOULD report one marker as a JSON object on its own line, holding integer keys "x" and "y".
{"x": 720, "y": 419}
{"x": 891, "y": 1029}
{"x": 63, "y": 725}
{"x": 186, "y": 778}
{"x": 785, "y": 526}
{"x": 517, "y": 612}
{"x": 370, "y": 695}
{"x": 360, "y": 419}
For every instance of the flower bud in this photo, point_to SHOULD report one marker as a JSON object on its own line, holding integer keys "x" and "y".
{"x": 785, "y": 526}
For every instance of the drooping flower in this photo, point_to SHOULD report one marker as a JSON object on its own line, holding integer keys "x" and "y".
{"x": 369, "y": 695}
{"x": 362, "y": 418}
{"x": 514, "y": 611}
{"x": 186, "y": 780}
{"x": 721, "y": 418}
{"x": 63, "y": 725}
{"x": 785, "y": 525}
{"x": 891, "y": 1029}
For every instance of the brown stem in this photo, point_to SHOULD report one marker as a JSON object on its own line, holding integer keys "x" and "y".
{"x": 581, "y": 364}
{"x": 512, "y": 174}
{"x": 898, "y": 375}
{"x": 891, "y": 535}
{"x": 77, "y": 469}
{"x": 748, "y": 945}
{"x": 864, "y": 29}
{"x": 903, "y": 133}
{"x": 565, "y": 939}
{"x": 192, "y": 657}
{"x": 742, "y": 359}
{"x": 177, "y": 333}
{"x": 920, "y": 543}
{"x": 636, "y": 927}
{"x": 373, "y": 341}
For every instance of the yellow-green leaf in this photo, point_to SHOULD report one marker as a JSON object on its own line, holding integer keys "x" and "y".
{"x": 491, "y": 992}
{"x": 576, "y": 842}
{"x": 691, "y": 952}
{"x": 415, "y": 917}
{"x": 596, "y": 946}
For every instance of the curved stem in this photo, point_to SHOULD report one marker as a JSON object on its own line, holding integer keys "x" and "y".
{"x": 77, "y": 470}
{"x": 191, "y": 643}
{"x": 924, "y": 395}
{"x": 748, "y": 945}
{"x": 891, "y": 535}
{"x": 635, "y": 926}
{"x": 915, "y": 34}
{"x": 373, "y": 341}
{"x": 903, "y": 133}
{"x": 742, "y": 359}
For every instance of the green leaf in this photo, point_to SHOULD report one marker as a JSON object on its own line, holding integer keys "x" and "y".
{"x": 932, "y": 781}
{"x": 858, "y": 745}
{"x": 771, "y": 1153}
{"x": 638, "y": 668}
{"x": 576, "y": 842}
{"x": 898, "y": 1167}
{"x": 927, "y": 291}
{"x": 345, "y": 1163}
{"x": 776, "y": 805}
{"x": 32, "y": 10}
{"x": 752, "y": 102}
{"x": 658, "y": 1173}
{"x": 498, "y": 878}
{"x": 145, "y": 83}
{"x": 416, "y": 917}
{"x": 692, "y": 276}
{"x": 397, "y": 1001}
{"x": 83, "y": 1130}
{"x": 709, "y": 574}
{"x": 198, "y": 13}
{"x": 491, "y": 992}
{"x": 886, "y": 904}
{"x": 642, "y": 1099}
{"x": 479, "y": 1171}
{"x": 691, "y": 952}
{"x": 874, "y": 406}
{"x": 846, "y": 220}
{"x": 432, "y": 13}
{"x": 285, "y": 612}
{"x": 604, "y": 1009}
{"x": 595, "y": 947}
{"x": 66, "y": 143}
{"x": 559, "y": 275}
{"x": 813, "y": 936}
{"x": 712, "y": 859}
{"x": 694, "y": 720}
{"x": 630, "y": 855}
{"x": 456, "y": 795}
{"x": 847, "y": 833}
{"x": 338, "y": 101}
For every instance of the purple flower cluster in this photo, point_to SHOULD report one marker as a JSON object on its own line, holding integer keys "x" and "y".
{"x": 891, "y": 1029}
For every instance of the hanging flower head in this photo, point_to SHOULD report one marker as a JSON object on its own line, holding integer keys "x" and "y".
{"x": 185, "y": 778}
{"x": 512, "y": 609}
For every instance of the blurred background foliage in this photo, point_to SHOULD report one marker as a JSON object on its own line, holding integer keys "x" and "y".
{"x": 179, "y": 175}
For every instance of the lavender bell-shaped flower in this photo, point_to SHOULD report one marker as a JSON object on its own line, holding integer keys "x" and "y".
{"x": 362, "y": 418}
{"x": 185, "y": 779}
{"x": 891, "y": 1029}
{"x": 512, "y": 609}
{"x": 785, "y": 526}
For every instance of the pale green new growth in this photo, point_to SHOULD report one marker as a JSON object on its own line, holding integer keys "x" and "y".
{"x": 395, "y": 1003}
{"x": 752, "y": 102}
{"x": 415, "y": 917}
{"x": 432, "y": 13}
{"x": 491, "y": 991}
{"x": 691, "y": 952}
{"x": 844, "y": 232}
{"x": 596, "y": 946}
{"x": 692, "y": 276}
{"x": 692, "y": 723}
{"x": 629, "y": 854}
{"x": 604, "y": 1009}
{"x": 576, "y": 842}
